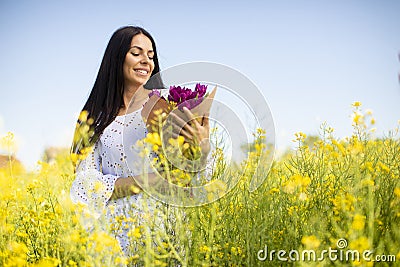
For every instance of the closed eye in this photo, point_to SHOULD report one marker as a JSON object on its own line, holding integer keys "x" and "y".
{"x": 136, "y": 54}
{"x": 150, "y": 53}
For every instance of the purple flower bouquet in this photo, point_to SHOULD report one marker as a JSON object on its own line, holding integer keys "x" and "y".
{"x": 198, "y": 101}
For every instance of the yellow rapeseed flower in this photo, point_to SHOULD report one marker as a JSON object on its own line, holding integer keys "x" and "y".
{"x": 83, "y": 115}
{"x": 339, "y": 146}
{"x": 358, "y": 118}
{"x": 273, "y": 190}
{"x": 74, "y": 158}
{"x": 384, "y": 168}
{"x": 98, "y": 187}
{"x": 310, "y": 242}
{"x": 358, "y": 222}
{"x": 180, "y": 177}
{"x": 397, "y": 191}
{"x": 8, "y": 143}
{"x": 360, "y": 244}
{"x": 296, "y": 182}
{"x": 153, "y": 138}
{"x": 72, "y": 263}
{"x": 300, "y": 136}
{"x": 367, "y": 182}
{"x": 372, "y": 121}
{"x": 135, "y": 232}
{"x": 204, "y": 249}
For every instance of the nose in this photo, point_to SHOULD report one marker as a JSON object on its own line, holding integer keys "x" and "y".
{"x": 145, "y": 60}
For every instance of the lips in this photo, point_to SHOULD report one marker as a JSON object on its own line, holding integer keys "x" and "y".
{"x": 142, "y": 71}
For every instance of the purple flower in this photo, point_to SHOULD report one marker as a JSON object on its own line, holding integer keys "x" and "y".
{"x": 155, "y": 92}
{"x": 190, "y": 103}
{"x": 178, "y": 94}
{"x": 201, "y": 89}
{"x": 185, "y": 97}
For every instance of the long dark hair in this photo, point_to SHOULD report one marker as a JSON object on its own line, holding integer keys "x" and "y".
{"x": 106, "y": 97}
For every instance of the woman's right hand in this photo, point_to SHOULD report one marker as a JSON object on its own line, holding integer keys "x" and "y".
{"x": 124, "y": 187}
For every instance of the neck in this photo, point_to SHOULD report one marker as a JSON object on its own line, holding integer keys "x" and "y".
{"x": 134, "y": 97}
{"x": 132, "y": 91}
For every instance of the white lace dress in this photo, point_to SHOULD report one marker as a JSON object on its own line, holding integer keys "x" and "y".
{"x": 97, "y": 173}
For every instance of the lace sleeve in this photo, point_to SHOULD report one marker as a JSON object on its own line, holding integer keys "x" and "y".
{"x": 91, "y": 187}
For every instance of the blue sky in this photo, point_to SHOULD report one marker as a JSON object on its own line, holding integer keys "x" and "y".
{"x": 311, "y": 59}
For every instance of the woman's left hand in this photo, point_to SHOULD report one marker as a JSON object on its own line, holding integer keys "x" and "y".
{"x": 192, "y": 130}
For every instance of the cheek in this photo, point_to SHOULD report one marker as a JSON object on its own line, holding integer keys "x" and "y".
{"x": 125, "y": 69}
{"x": 129, "y": 60}
{"x": 128, "y": 64}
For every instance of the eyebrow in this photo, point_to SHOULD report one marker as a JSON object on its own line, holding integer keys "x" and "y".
{"x": 141, "y": 49}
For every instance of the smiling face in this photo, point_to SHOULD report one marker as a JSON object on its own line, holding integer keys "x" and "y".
{"x": 139, "y": 63}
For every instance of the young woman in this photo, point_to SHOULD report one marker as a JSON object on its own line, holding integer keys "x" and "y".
{"x": 103, "y": 179}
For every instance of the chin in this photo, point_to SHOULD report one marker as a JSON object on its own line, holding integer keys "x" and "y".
{"x": 140, "y": 82}
{"x": 139, "y": 79}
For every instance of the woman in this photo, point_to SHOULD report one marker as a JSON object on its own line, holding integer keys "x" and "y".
{"x": 104, "y": 181}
